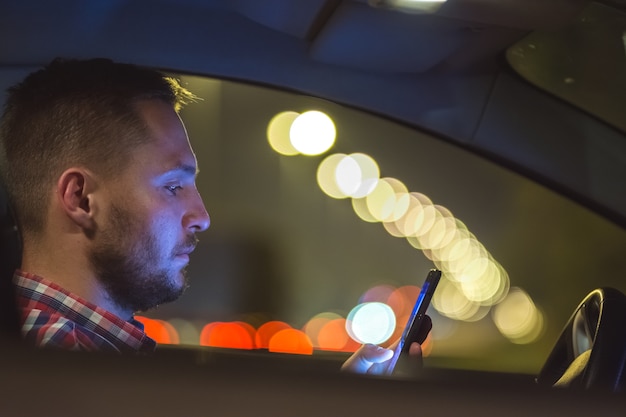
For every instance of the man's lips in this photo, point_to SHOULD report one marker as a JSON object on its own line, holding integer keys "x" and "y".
{"x": 183, "y": 256}
{"x": 185, "y": 253}
{"x": 185, "y": 250}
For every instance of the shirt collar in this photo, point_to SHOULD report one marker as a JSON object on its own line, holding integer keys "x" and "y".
{"x": 36, "y": 292}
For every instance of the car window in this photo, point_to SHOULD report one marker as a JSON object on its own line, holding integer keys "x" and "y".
{"x": 282, "y": 252}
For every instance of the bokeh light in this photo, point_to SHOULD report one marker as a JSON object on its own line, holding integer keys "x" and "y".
{"x": 389, "y": 200}
{"x": 266, "y": 331}
{"x": 451, "y": 302}
{"x": 441, "y": 232}
{"x": 313, "y": 327}
{"x": 359, "y": 205}
{"x": 357, "y": 175}
{"x": 402, "y": 299}
{"x": 161, "y": 331}
{"x": 278, "y": 133}
{"x": 372, "y": 322}
{"x": 234, "y": 335}
{"x": 341, "y": 176}
{"x": 377, "y": 293}
{"x": 312, "y": 133}
{"x": 334, "y": 336}
{"x": 291, "y": 341}
{"x": 327, "y": 178}
{"x": 188, "y": 332}
{"x": 473, "y": 281}
{"x": 518, "y": 318}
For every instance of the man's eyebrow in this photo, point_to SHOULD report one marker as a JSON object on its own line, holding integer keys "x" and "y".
{"x": 186, "y": 169}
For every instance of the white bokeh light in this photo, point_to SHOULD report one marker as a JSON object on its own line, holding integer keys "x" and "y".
{"x": 312, "y": 133}
{"x": 357, "y": 175}
{"x": 372, "y": 322}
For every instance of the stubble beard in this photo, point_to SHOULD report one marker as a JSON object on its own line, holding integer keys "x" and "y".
{"x": 128, "y": 264}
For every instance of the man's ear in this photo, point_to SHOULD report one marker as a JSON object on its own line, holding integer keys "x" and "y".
{"x": 75, "y": 192}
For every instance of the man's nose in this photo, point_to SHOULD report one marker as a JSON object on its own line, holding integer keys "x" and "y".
{"x": 197, "y": 218}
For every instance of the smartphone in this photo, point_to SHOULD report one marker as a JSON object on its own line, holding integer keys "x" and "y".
{"x": 412, "y": 329}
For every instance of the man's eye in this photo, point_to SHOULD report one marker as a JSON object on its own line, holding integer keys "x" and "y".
{"x": 173, "y": 189}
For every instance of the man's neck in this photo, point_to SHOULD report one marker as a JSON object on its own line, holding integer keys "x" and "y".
{"x": 75, "y": 276}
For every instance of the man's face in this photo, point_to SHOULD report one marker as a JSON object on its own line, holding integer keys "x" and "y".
{"x": 142, "y": 247}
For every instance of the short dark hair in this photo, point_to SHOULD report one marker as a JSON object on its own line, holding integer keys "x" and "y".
{"x": 74, "y": 112}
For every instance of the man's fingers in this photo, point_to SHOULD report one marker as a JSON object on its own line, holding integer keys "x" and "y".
{"x": 376, "y": 354}
{"x": 415, "y": 349}
{"x": 367, "y": 355}
{"x": 425, "y": 328}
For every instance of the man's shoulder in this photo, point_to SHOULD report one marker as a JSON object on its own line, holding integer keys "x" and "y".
{"x": 52, "y": 330}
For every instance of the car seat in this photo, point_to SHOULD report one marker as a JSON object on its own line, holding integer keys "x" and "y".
{"x": 10, "y": 257}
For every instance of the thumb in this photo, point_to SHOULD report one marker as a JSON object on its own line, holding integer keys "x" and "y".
{"x": 365, "y": 357}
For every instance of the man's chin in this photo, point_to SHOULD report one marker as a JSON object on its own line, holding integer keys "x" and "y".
{"x": 181, "y": 283}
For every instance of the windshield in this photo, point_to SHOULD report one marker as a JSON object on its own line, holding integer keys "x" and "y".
{"x": 306, "y": 241}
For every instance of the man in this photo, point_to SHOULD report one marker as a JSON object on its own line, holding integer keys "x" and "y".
{"x": 101, "y": 175}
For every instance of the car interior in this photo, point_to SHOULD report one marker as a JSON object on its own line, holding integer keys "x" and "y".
{"x": 500, "y": 116}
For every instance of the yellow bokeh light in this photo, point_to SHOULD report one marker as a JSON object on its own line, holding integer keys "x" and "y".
{"x": 517, "y": 317}
{"x": 474, "y": 269}
{"x": 380, "y": 201}
{"x": 505, "y": 285}
{"x": 475, "y": 281}
{"x": 326, "y": 176}
{"x": 389, "y": 200}
{"x": 392, "y": 229}
{"x": 359, "y": 205}
{"x": 401, "y": 199}
{"x": 458, "y": 244}
{"x": 278, "y": 133}
{"x": 437, "y": 228}
{"x": 452, "y": 303}
{"x": 407, "y": 224}
{"x": 463, "y": 252}
{"x": 357, "y": 175}
{"x": 312, "y": 133}
{"x": 420, "y": 217}
{"x": 483, "y": 283}
{"x": 443, "y": 231}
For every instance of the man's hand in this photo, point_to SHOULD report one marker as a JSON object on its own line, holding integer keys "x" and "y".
{"x": 372, "y": 359}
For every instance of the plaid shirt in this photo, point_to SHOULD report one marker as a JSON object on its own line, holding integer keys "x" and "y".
{"x": 53, "y": 317}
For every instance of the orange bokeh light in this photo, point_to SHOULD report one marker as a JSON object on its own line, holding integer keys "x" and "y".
{"x": 265, "y": 333}
{"x": 333, "y": 336}
{"x": 250, "y": 329}
{"x": 313, "y": 327}
{"x": 291, "y": 341}
{"x": 161, "y": 331}
{"x": 234, "y": 335}
{"x": 315, "y": 324}
{"x": 402, "y": 299}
